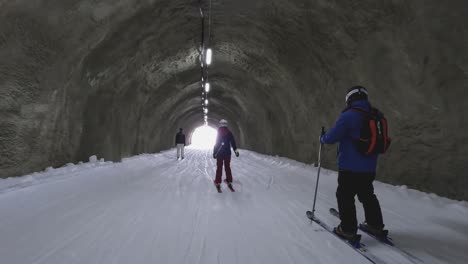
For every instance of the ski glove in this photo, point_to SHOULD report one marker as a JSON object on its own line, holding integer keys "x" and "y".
{"x": 236, "y": 152}
{"x": 321, "y": 140}
{"x": 214, "y": 156}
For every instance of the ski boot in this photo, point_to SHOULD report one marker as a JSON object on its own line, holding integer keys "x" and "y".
{"x": 379, "y": 233}
{"x": 218, "y": 187}
{"x": 353, "y": 238}
{"x": 229, "y": 184}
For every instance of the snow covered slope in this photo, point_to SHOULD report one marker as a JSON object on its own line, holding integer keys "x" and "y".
{"x": 154, "y": 209}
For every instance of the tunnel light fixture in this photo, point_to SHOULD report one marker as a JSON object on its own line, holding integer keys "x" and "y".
{"x": 209, "y": 55}
{"x": 207, "y": 87}
{"x": 206, "y": 101}
{"x": 206, "y": 110}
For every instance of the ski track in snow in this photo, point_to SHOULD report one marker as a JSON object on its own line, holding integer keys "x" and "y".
{"x": 152, "y": 208}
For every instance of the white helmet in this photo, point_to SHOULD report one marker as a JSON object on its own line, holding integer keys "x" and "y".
{"x": 223, "y": 123}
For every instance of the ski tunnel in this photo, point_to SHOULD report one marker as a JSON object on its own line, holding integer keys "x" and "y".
{"x": 82, "y": 78}
{"x": 117, "y": 79}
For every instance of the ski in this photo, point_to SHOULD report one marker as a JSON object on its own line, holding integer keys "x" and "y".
{"x": 356, "y": 244}
{"x": 385, "y": 240}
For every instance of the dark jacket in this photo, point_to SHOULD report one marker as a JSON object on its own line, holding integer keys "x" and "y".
{"x": 180, "y": 138}
{"x": 346, "y": 130}
{"x": 224, "y": 142}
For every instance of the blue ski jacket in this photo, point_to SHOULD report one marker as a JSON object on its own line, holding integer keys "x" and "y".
{"x": 347, "y": 129}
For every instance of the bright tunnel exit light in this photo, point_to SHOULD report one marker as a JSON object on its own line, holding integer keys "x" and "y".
{"x": 209, "y": 54}
{"x": 204, "y": 137}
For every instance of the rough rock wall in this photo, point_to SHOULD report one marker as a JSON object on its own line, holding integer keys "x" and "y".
{"x": 117, "y": 78}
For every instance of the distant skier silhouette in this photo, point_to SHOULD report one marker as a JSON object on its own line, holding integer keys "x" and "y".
{"x": 180, "y": 143}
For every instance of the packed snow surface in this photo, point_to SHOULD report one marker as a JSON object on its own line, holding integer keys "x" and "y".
{"x": 153, "y": 208}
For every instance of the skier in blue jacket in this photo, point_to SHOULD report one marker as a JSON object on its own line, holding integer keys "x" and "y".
{"x": 356, "y": 171}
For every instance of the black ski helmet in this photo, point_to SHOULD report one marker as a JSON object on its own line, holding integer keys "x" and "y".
{"x": 356, "y": 93}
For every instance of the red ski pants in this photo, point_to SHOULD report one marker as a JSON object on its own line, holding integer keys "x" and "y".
{"x": 227, "y": 168}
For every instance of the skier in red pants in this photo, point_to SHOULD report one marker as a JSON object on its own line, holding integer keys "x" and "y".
{"x": 222, "y": 153}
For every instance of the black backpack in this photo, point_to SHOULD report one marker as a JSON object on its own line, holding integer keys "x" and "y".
{"x": 374, "y": 132}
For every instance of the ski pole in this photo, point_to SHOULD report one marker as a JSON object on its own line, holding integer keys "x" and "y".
{"x": 318, "y": 171}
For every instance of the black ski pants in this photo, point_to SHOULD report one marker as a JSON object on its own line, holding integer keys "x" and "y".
{"x": 351, "y": 184}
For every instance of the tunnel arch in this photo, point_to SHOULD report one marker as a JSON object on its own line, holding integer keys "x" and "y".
{"x": 79, "y": 81}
